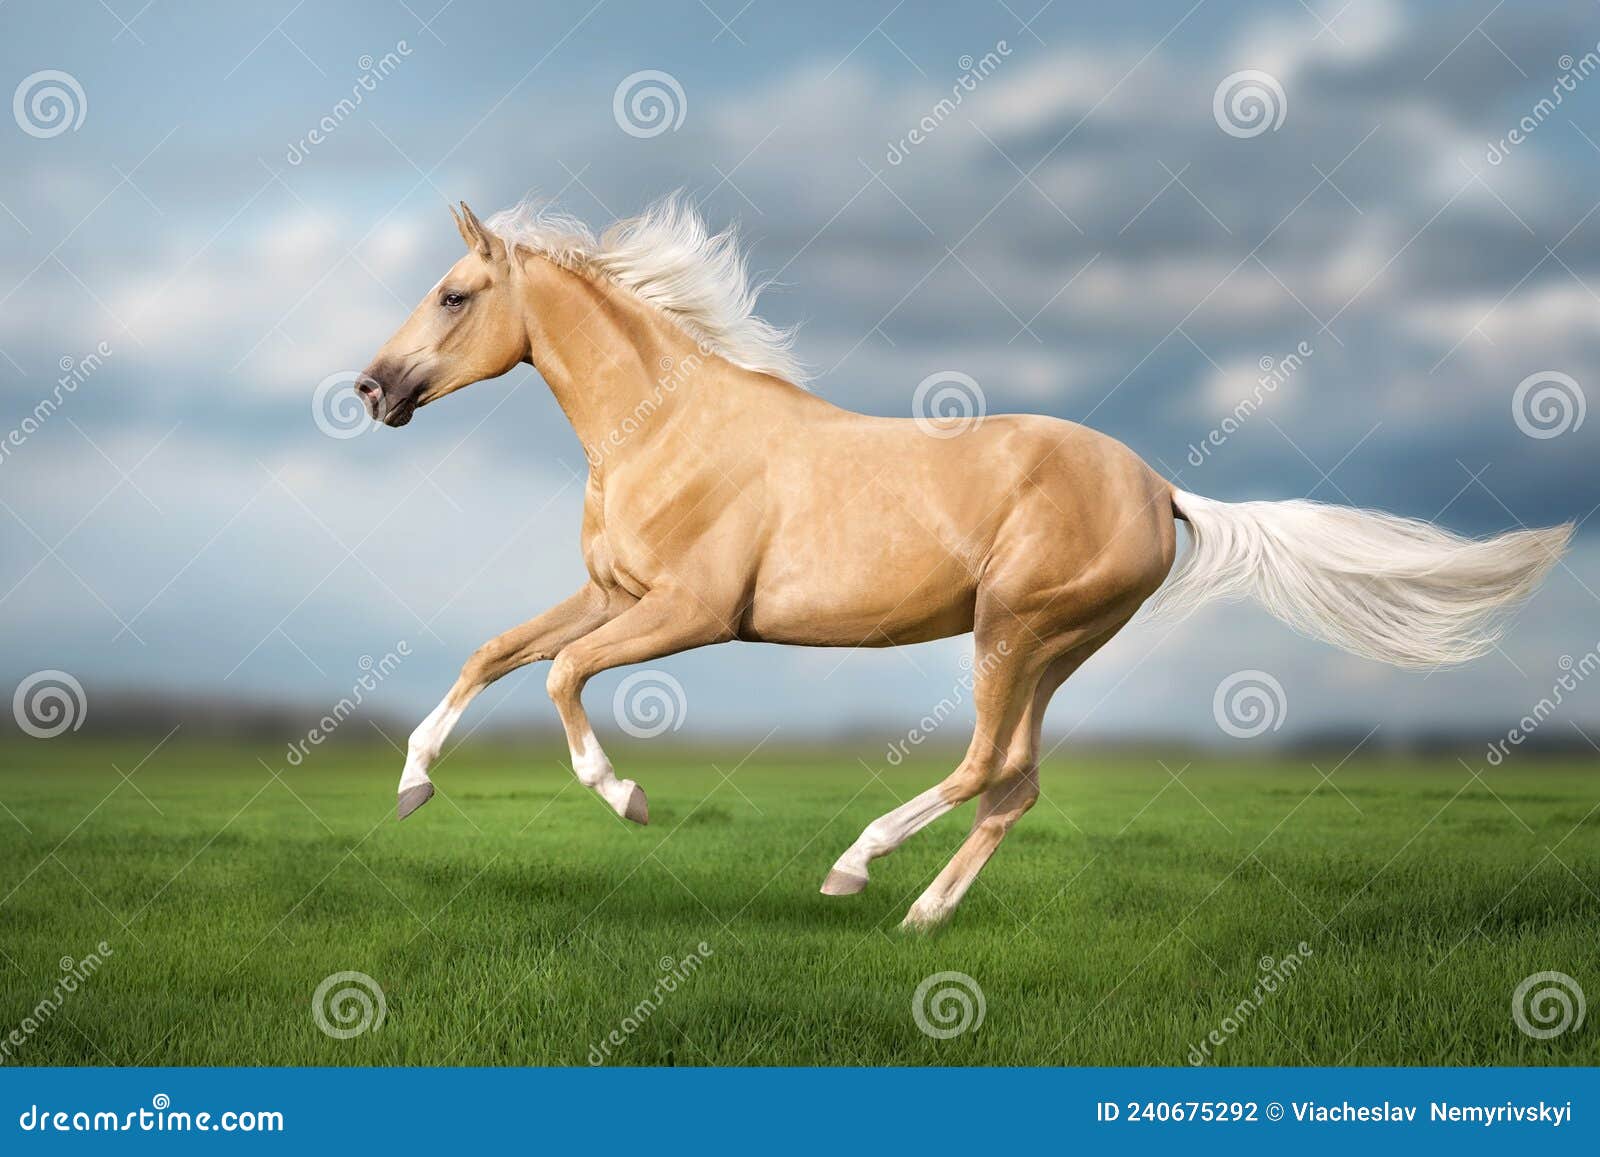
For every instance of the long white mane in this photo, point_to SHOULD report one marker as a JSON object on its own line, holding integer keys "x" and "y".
{"x": 669, "y": 258}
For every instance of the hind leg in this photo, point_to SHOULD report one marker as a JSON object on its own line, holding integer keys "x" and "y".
{"x": 1008, "y": 668}
{"x": 1002, "y": 805}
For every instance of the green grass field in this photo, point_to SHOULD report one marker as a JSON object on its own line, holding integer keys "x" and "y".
{"x": 519, "y": 922}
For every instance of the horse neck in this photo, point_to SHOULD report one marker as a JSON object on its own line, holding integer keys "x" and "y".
{"x": 613, "y": 362}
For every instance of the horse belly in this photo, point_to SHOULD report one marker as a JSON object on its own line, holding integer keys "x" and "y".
{"x": 870, "y": 597}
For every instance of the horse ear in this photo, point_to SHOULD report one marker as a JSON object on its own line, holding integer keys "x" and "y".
{"x": 461, "y": 227}
{"x": 478, "y": 237}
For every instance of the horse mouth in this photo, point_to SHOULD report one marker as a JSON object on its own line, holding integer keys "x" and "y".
{"x": 400, "y": 413}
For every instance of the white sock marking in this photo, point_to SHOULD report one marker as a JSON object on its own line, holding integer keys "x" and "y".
{"x": 426, "y": 742}
{"x": 886, "y": 833}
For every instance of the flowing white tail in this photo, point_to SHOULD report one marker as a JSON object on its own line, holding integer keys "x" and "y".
{"x": 1389, "y": 588}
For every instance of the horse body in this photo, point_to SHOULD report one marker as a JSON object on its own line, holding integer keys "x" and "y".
{"x": 832, "y": 528}
{"x": 724, "y": 502}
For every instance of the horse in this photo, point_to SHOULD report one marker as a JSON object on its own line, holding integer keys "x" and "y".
{"x": 725, "y": 501}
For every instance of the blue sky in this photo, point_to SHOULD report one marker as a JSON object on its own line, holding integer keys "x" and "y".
{"x": 1082, "y": 236}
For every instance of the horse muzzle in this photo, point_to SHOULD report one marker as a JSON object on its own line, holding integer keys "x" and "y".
{"x": 388, "y": 398}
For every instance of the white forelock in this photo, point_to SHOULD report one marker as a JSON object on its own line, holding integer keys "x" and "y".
{"x": 669, "y": 258}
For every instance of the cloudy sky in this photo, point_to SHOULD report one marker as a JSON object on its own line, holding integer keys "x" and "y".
{"x": 1097, "y": 230}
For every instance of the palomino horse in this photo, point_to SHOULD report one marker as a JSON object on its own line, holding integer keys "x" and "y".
{"x": 725, "y": 502}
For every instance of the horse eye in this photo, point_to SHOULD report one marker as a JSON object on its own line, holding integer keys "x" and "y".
{"x": 454, "y": 300}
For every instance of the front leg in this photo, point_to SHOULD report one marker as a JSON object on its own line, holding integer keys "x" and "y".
{"x": 541, "y": 637}
{"x": 664, "y": 622}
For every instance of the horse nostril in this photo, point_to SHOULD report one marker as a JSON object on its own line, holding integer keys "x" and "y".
{"x": 367, "y": 387}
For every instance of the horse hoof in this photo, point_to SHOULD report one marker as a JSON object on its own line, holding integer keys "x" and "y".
{"x": 637, "y": 808}
{"x": 411, "y": 799}
{"x": 922, "y": 920}
{"x": 843, "y": 884}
